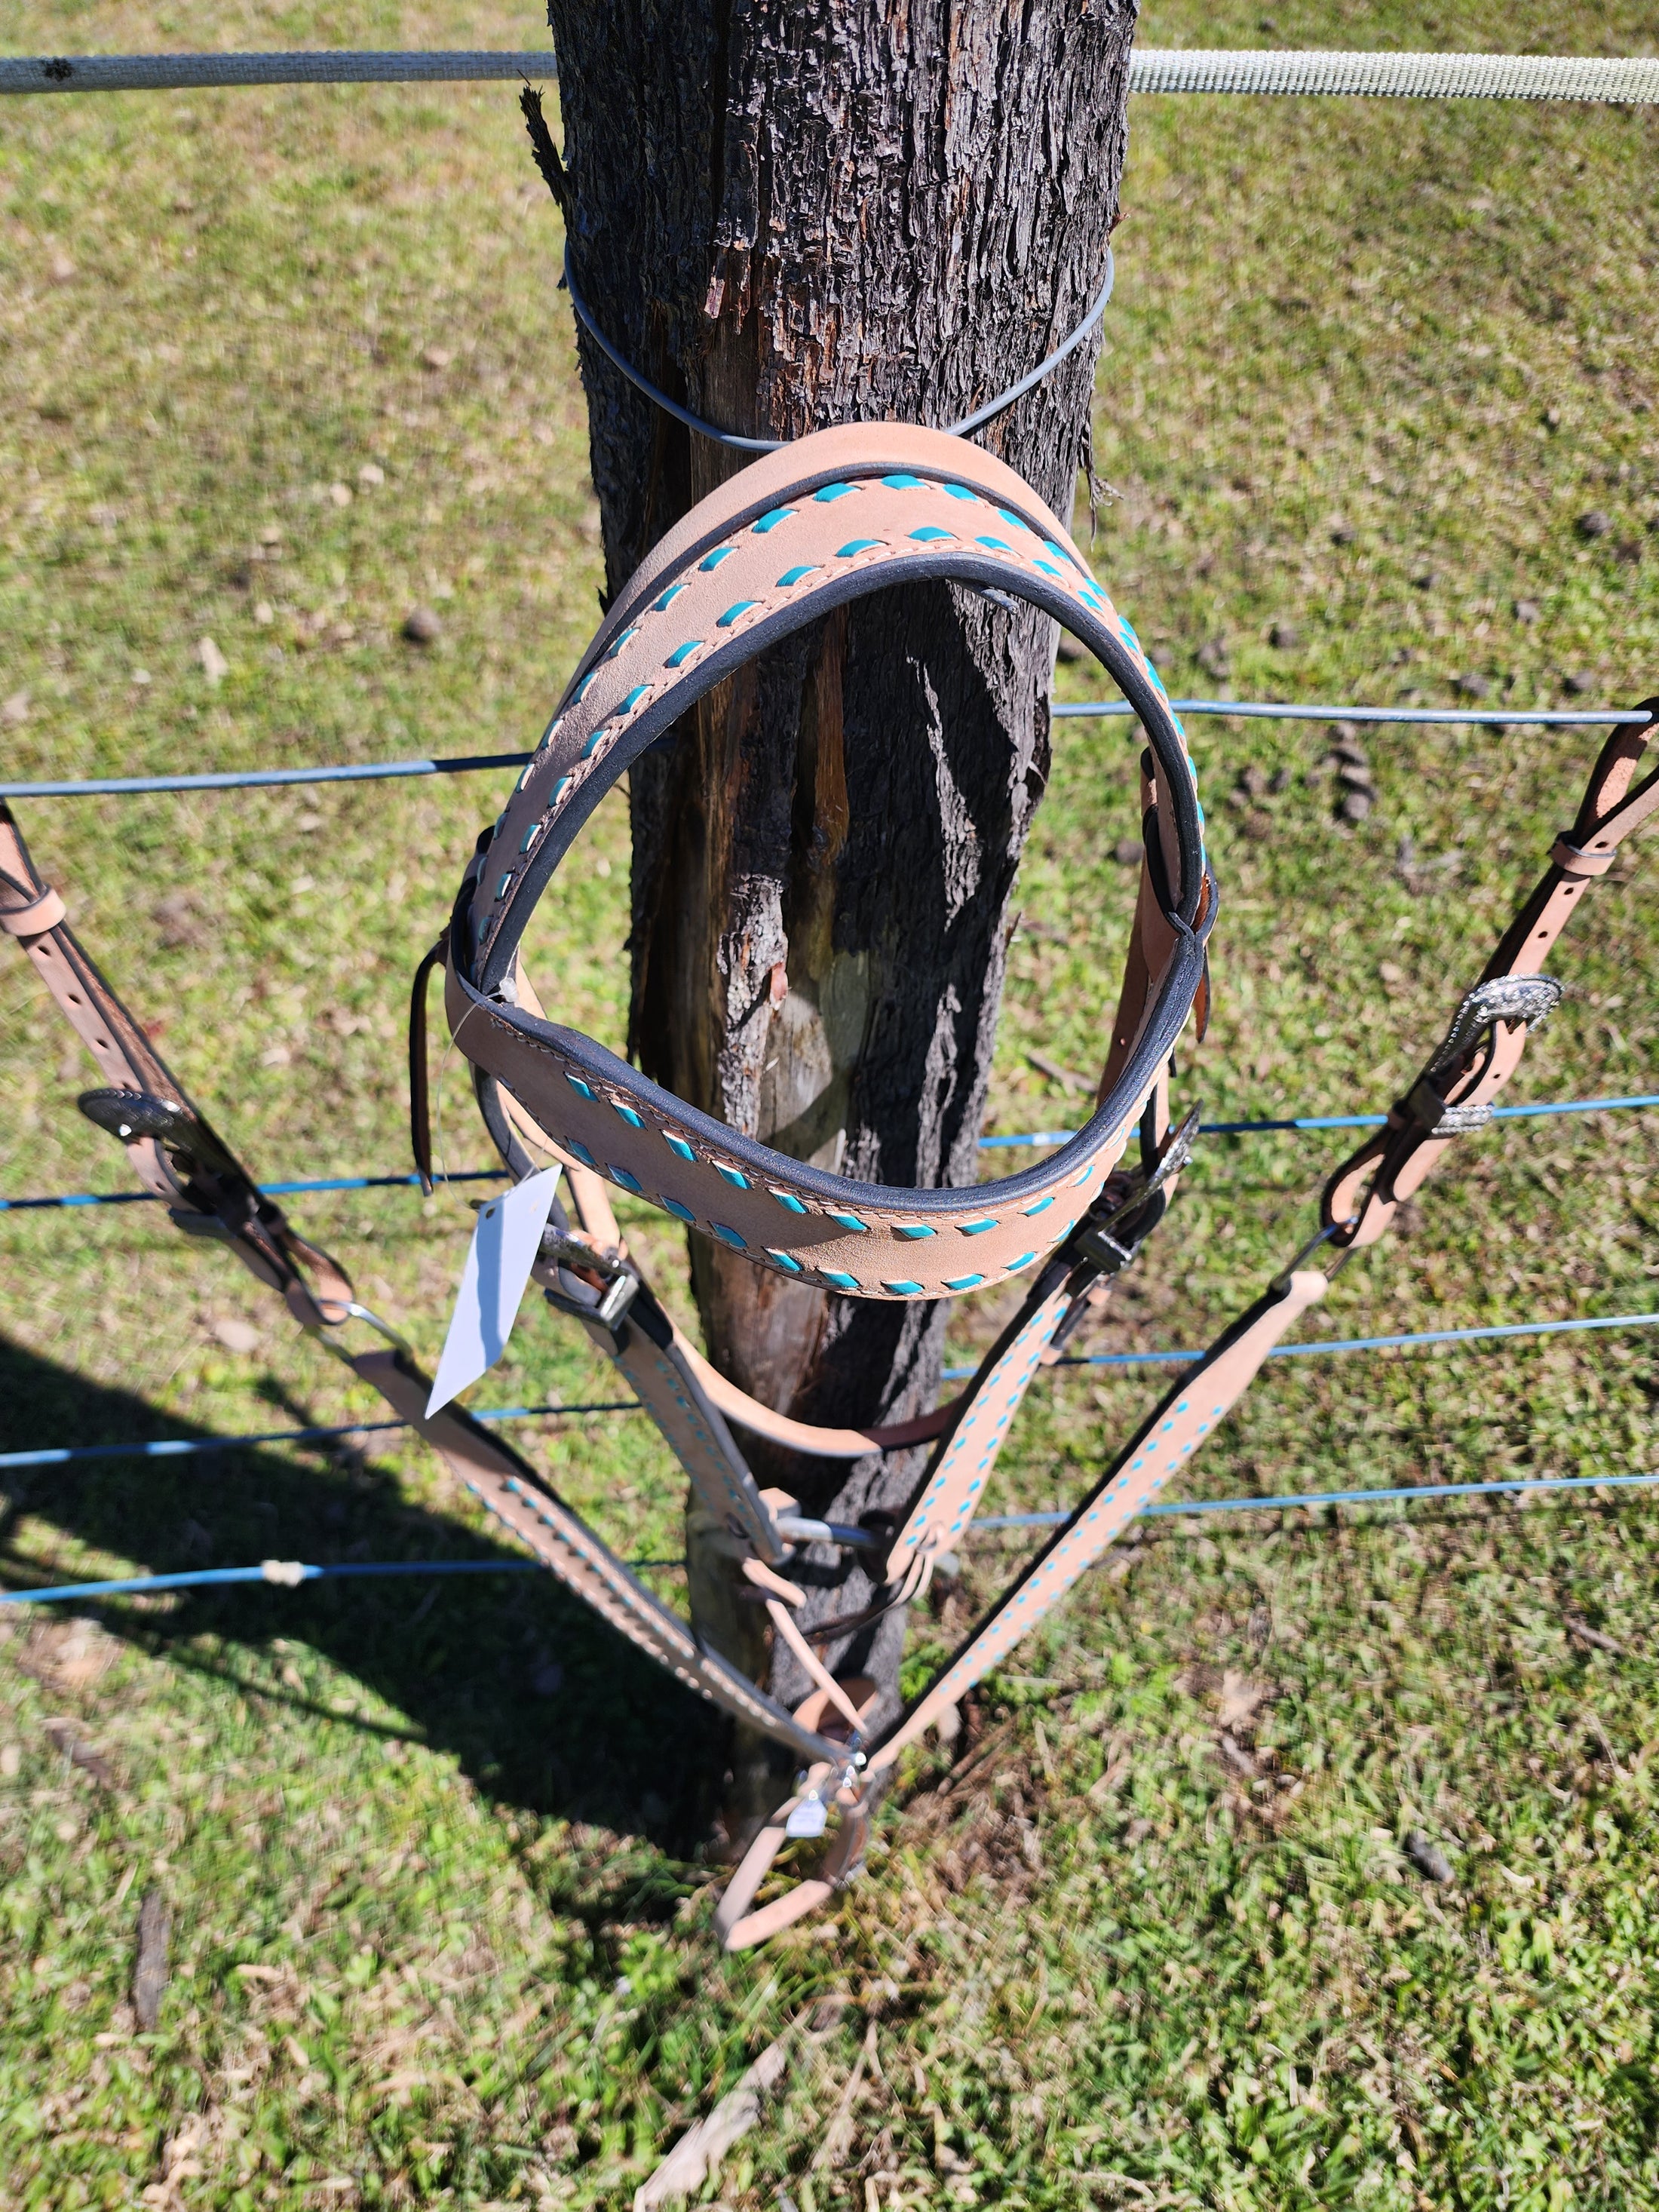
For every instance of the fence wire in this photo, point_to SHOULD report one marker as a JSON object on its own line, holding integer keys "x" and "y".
{"x": 1632, "y": 81}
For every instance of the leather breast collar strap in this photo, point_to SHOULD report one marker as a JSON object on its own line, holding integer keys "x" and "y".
{"x": 1488, "y": 1034}
{"x": 181, "y": 1158}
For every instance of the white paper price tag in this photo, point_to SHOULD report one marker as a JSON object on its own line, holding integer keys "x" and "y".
{"x": 505, "y": 1243}
{"x": 808, "y": 1819}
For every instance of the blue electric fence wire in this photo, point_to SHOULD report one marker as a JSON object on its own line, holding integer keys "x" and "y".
{"x": 214, "y": 1577}
{"x": 271, "y": 1189}
{"x": 1028, "y": 1139}
{"x": 1177, "y": 1508}
{"x": 292, "y": 1573}
{"x": 1340, "y": 1344}
{"x": 187, "y": 1447}
{"x": 259, "y": 778}
{"x": 1635, "y": 1099}
{"x": 193, "y": 1446}
{"x": 116, "y": 786}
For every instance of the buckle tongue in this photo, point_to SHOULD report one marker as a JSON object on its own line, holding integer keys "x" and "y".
{"x": 1095, "y": 1240}
{"x": 1528, "y": 999}
{"x": 575, "y": 1259}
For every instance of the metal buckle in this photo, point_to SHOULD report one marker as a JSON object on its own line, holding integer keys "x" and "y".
{"x": 320, "y": 1333}
{"x": 1528, "y": 999}
{"x": 135, "y": 1115}
{"x": 1095, "y": 1240}
{"x": 621, "y": 1283}
{"x": 1434, "y": 1118}
{"x": 1281, "y": 1281}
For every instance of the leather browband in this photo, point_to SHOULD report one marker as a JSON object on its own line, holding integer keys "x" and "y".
{"x": 835, "y": 517}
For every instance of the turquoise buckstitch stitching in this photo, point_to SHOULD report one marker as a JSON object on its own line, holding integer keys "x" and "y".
{"x": 846, "y": 552}
{"x": 866, "y": 545}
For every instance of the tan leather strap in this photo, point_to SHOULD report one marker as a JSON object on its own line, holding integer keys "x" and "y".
{"x": 1161, "y": 1447}
{"x": 644, "y": 1349}
{"x": 187, "y": 1164}
{"x": 955, "y": 1482}
{"x": 835, "y": 1711}
{"x": 1361, "y": 1198}
{"x": 738, "y": 1928}
{"x": 803, "y": 1436}
{"x": 782, "y": 1597}
{"x": 211, "y": 1195}
{"x": 522, "y": 1502}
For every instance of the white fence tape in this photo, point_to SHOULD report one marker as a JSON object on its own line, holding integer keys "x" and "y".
{"x": 1399, "y": 77}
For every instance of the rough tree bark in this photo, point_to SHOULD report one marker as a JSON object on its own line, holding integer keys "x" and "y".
{"x": 789, "y": 214}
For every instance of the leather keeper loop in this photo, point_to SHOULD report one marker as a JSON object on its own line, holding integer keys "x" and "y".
{"x": 1580, "y": 866}
{"x": 34, "y": 920}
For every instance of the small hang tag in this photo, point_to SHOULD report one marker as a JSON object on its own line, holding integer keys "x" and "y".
{"x": 809, "y": 1818}
{"x": 505, "y": 1243}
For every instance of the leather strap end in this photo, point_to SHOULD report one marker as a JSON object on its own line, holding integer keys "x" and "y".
{"x": 34, "y": 920}
{"x": 420, "y": 1119}
{"x": 1572, "y": 861}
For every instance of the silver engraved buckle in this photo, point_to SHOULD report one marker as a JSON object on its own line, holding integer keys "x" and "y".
{"x": 1529, "y": 1000}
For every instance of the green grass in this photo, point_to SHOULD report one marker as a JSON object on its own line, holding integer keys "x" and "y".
{"x": 453, "y": 1830}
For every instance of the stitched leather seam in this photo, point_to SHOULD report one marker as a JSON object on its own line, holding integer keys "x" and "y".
{"x": 687, "y": 656}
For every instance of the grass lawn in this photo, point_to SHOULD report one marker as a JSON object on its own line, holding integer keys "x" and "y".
{"x": 276, "y": 368}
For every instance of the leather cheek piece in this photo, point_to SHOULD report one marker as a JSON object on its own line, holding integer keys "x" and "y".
{"x": 734, "y": 573}
{"x": 33, "y": 920}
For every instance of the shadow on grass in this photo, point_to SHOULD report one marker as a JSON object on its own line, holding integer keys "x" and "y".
{"x": 544, "y": 1706}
